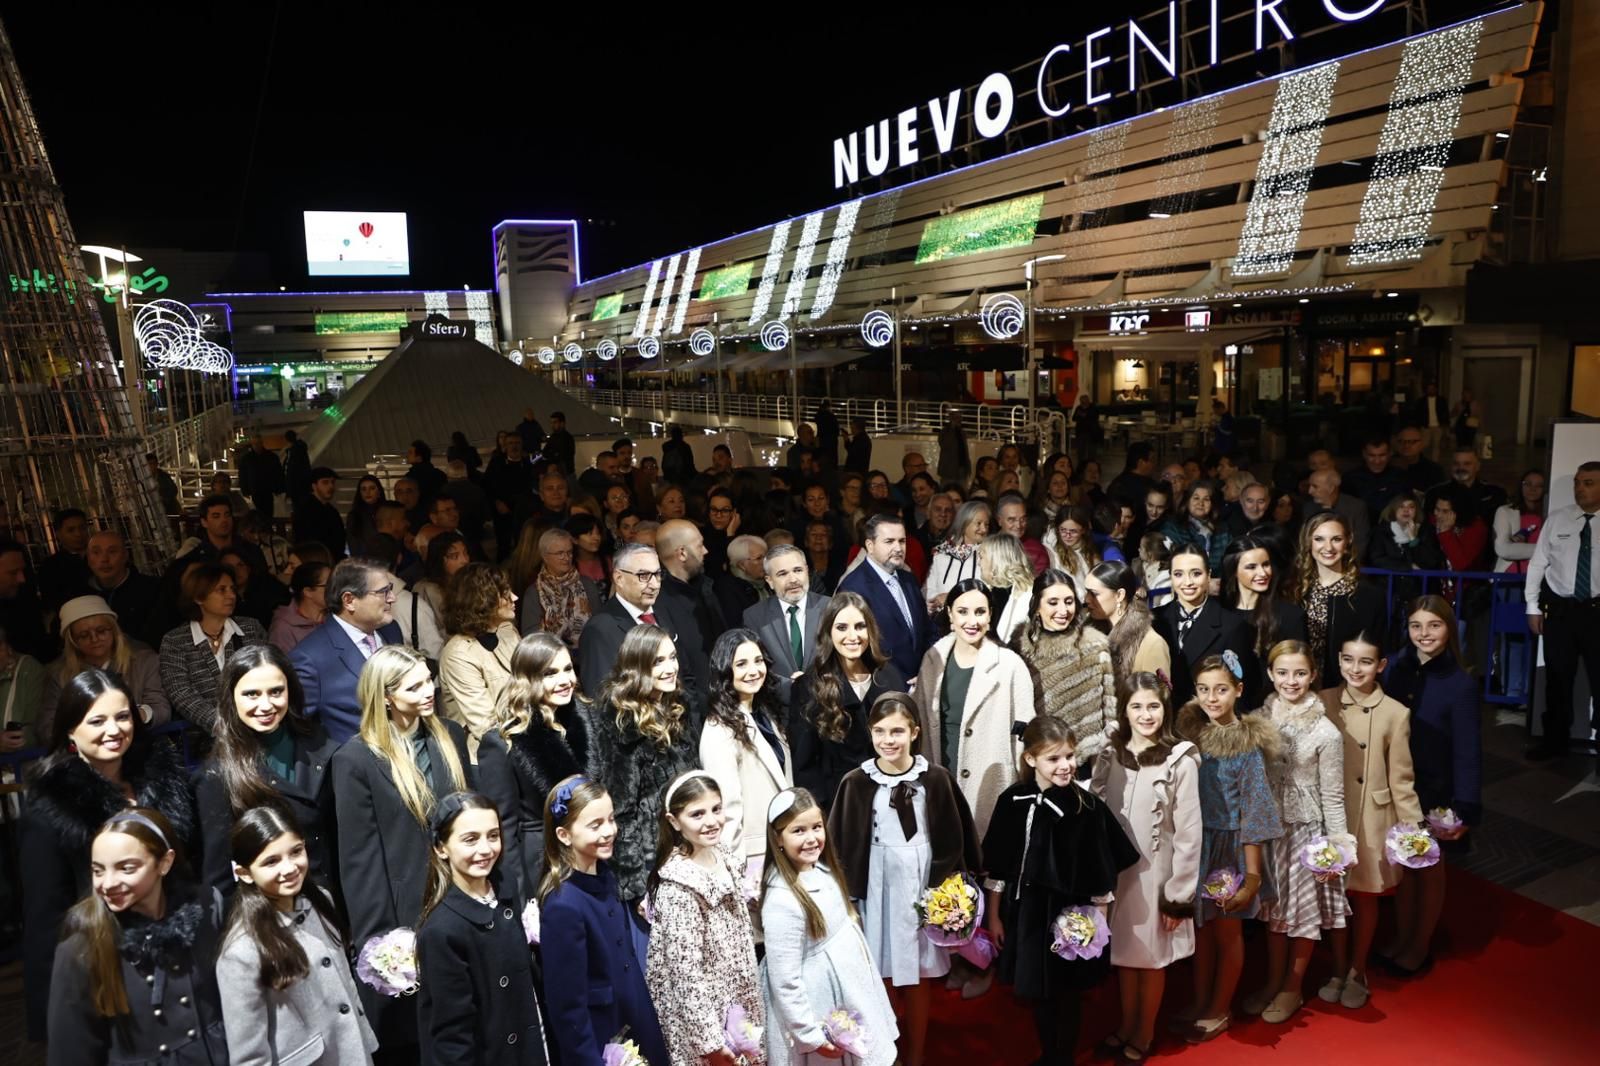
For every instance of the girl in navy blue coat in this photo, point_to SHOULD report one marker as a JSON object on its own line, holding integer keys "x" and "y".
{"x": 594, "y": 986}
{"x": 1447, "y": 752}
{"x": 477, "y": 1004}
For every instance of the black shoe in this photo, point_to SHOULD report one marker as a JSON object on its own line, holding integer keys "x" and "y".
{"x": 1544, "y": 750}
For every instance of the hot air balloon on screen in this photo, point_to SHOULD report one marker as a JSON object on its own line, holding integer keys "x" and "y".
{"x": 365, "y": 228}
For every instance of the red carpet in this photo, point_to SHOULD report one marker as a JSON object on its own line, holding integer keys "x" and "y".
{"x": 1514, "y": 982}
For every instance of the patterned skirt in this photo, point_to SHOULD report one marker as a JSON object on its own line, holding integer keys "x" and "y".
{"x": 1305, "y": 906}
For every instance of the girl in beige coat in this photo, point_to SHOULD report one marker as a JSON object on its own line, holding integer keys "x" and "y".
{"x": 1379, "y": 793}
{"x": 971, "y": 693}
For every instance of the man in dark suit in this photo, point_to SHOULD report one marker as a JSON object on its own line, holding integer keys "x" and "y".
{"x": 360, "y": 597}
{"x": 636, "y": 586}
{"x": 132, "y": 595}
{"x": 744, "y": 584}
{"x": 895, "y": 599}
{"x": 1194, "y": 632}
{"x": 316, "y": 518}
{"x": 686, "y": 593}
{"x": 788, "y": 620}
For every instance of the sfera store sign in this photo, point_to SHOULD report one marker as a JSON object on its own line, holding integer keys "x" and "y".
{"x": 1108, "y": 59}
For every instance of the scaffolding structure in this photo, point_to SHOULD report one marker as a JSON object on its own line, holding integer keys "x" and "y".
{"x": 68, "y": 436}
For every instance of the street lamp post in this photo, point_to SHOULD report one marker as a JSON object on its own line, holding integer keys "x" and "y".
{"x": 899, "y": 397}
{"x": 716, "y": 346}
{"x": 1027, "y": 356}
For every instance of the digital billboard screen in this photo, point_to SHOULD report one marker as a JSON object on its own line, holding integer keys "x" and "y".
{"x": 357, "y": 244}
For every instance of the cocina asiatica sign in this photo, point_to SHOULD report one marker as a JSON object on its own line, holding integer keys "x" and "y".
{"x": 994, "y": 103}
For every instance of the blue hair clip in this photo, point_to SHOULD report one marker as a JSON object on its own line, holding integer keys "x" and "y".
{"x": 1231, "y": 661}
{"x": 564, "y": 792}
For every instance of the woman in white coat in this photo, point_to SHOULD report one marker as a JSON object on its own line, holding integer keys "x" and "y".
{"x": 744, "y": 744}
{"x": 973, "y": 693}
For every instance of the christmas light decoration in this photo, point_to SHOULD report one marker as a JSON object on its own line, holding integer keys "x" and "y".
{"x": 1183, "y": 173}
{"x": 482, "y": 316}
{"x": 666, "y": 295}
{"x": 1283, "y": 177}
{"x": 546, "y": 355}
{"x": 515, "y": 355}
{"x": 1414, "y": 147}
{"x": 775, "y": 336}
{"x": 685, "y": 290}
{"x": 769, "y": 271}
{"x": 1010, "y": 224}
{"x": 1102, "y": 168}
{"x": 436, "y": 303}
{"x": 572, "y": 353}
{"x": 810, "y": 230}
{"x": 606, "y": 349}
{"x": 170, "y": 337}
{"x": 1002, "y": 316}
{"x": 701, "y": 342}
{"x": 649, "y": 347}
{"x": 642, "y": 323}
{"x": 877, "y": 328}
{"x": 844, "y": 227}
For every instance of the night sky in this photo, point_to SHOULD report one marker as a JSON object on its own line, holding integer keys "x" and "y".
{"x": 217, "y": 125}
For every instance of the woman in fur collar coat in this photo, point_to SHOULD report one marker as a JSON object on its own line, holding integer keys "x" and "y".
{"x": 1070, "y": 661}
{"x": 99, "y": 764}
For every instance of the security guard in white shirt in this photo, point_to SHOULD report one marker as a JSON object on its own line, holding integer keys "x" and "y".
{"x": 1563, "y": 598}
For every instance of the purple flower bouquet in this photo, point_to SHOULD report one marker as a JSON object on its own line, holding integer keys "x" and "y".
{"x": 951, "y": 912}
{"x": 843, "y": 1029}
{"x": 1443, "y": 819}
{"x": 621, "y": 1052}
{"x": 388, "y": 962}
{"x": 1080, "y": 933}
{"x": 1333, "y": 854}
{"x": 1221, "y": 885}
{"x": 530, "y": 921}
{"x": 980, "y": 950}
{"x": 1411, "y": 847}
{"x": 743, "y": 1035}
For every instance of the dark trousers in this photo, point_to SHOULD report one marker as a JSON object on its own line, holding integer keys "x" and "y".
{"x": 1571, "y": 635}
{"x": 1056, "y": 1022}
{"x": 264, "y": 504}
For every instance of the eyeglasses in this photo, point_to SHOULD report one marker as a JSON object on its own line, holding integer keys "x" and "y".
{"x": 559, "y": 555}
{"x": 722, "y": 510}
{"x": 645, "y": 577}
{"x": 385, "y": 592}
{"x": 97, "y": 633}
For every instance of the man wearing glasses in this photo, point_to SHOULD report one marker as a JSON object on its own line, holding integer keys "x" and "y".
{"x": 636, "y": 592}
{"x": 1421, "y": 473}
{"x": 360, "y": 597}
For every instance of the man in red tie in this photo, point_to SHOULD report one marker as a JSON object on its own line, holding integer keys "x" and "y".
{"x": 636, "y": 589}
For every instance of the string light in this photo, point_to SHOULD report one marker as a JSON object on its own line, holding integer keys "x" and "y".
{"x": 643, "y": 321}
{"x": 877, "y": 328}
{"x": 810, "y": 230}
{"x": 573, "y": 352}
{"x": 844, "y": 228}
{"x": 1102, "y": 161}
{"x": 769, "y": 271}
{"x": 436, "y": 303}
{"x": 606, "y": 349}
{"x": 1414, "y": 147}
{"x": 1271, "y": 230}
{"x": 1188, "y": 142}
{"x": 775, "y": 336}
{"x": 482, "y": 316}
{"x": 1002, "y": 316}
{"x": 649, "y": 347}
{"x": 170, "y": 337}
{"x": 685, "y": 290}
{"x": 701, "y": 342}
{"x": 666, "y": 295}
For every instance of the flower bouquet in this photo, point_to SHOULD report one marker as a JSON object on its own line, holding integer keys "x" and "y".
{"x": 1411, "y": 847}
{"x": 1445, "y": 820}
{"x": 950, "y": 911}
{"x": 1080, "y": 933}
{"x": 388, "y": 962}
{"x": 1332, "y": 854}
{"x": 743, "y": 1035}
{"x": 530, "y": 921}
{"x": 620, "y": 1052}
{"x": 843, "y": 1029}
{"x": 1221, "y": 885}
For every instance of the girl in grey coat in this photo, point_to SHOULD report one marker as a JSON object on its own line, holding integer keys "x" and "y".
{"x": 288, "y": 997}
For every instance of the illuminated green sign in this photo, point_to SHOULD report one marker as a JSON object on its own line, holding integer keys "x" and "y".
{"x": 44, "y": 283}
{"x": 729, "y": 281}
{"x": 607, "y": 307}
{"x": 982, "y": 229}
{"x": 360, "y": 321}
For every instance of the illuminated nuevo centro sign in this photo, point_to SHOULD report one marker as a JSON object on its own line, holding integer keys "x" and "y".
{"x": 1107, "y": 59}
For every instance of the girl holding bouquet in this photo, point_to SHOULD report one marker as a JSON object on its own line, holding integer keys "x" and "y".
{"x": 1051, "y": 846}
{"x": 825, "y": 1000}
{"x": 1151, "y": 780}
{"x": 904, "y": 827}
{"x": 1447, "y": 748}
{"x": 1378, "y": 795}
{"x": 477, "y": 1003}
{"x": 1239, "y": 815}
{"x": 592, "y": 985}
{"x": 1308, "y": 784}
{"x": 701, "y": 968}
{"x": 278, "y": 999}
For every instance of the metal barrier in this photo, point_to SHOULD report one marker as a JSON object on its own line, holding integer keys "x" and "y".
{"x": 1509, "y": 644}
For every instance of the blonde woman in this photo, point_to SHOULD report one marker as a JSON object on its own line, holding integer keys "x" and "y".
{"x": 956, "y": 557}
{"x": 475, "y": 663}
{"x": 93, "y": 638}
{"x": 1005, "y": 569}
{"x": 386, "y": 780}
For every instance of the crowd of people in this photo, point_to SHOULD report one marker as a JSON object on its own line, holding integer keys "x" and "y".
{"x": 722, "y": 727}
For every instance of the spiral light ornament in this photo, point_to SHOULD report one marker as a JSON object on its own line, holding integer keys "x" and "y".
{"x": 515, "y": 356}
{"x": 170, "y": 337}
{"x": 877, "y": 328}
{"x": 775, "y": 336}
{"x": 1002, "y": 316}
{"x": 573, "y": 352}
{"x": 649, "y": 347}
{"x": 606, "y": 349}
{"x": 701, "y": 342}
{"x": 546, "y": 355}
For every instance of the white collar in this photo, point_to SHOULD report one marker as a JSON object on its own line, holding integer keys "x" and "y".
{"x": 357, "y": 637}
{"x": 230, "y": 629}
{"x": 886, "y": 576}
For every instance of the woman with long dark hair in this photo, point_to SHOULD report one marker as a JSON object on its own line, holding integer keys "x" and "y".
{"x": 307, "y": 606}
{"x": 267, "y": 753}
{"x": 283, "y": 972}
{"x": 135, "y": 978}
{"x": 362, "y": 521}
{"x": 1070, "y": 661}
{"x": 1115, "y": 598}
{"x": 848, "y": 672}
{"x": 100, "y": 763}
{"x": 1252, "y": 580}
{"x": 1517, "y": 523}
{"x": 744, "y": 743}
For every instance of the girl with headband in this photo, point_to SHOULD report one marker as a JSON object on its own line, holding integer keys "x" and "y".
{"x": 702, "y": 960}
{"x": 134, "y": 978}
{"x": 593, "y": 984}
{"x": 477, "y": 1001}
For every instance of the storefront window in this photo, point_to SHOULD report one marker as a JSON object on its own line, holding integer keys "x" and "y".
{"x": 1586, "y": 379}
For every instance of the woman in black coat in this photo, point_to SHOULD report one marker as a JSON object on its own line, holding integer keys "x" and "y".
{"x": 828, "y": 734}
{"x": 1253, "y": 576}
{"x": 267, "y": 753}
{"x": 1215, "y": 629}
{"x": 1402, "y": 540}
{"x": 548, "y": 726}
{"x": 100, "y": 763}
{"x": 1338, "y": 603}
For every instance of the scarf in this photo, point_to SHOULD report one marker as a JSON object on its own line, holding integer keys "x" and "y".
{"x": 566, "y": 607}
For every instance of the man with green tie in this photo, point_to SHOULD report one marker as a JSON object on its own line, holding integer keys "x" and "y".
{"x": 1564, "y": 606}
